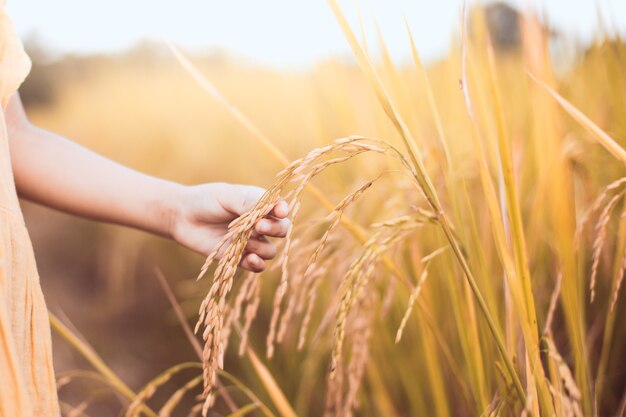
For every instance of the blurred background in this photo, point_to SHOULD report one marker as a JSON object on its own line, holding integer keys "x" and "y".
{"x": 103, "y": 77}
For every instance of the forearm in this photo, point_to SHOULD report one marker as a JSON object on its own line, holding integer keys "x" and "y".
{"x": 59, "y": 173}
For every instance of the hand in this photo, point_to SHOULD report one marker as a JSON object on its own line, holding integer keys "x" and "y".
{"x": 203, "y": 213}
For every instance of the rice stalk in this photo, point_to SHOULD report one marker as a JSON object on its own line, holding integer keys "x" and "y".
{"x": 611, "y": 318}
{"x": 134, "y": 409}
{"x": 572, "y": 396}
{"x": 275, "y": 393}
{"x": 598, "y": 134}
{"x": 80, "y": 409}
{"x": 519, "y": 241}
{"x": 168, "y": 408}
{"x": 245, "y": 410}
{"x": 431, "y": 99}
{"x": 247, "y": 392}
{"x": 66, "y": 377}
{"x": 94, "y": 359}
{"x": 425, "y": 185}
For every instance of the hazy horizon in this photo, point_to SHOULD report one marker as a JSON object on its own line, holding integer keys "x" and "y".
{"x": 275, "y": 33}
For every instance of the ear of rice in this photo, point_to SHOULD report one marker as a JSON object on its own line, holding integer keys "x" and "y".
{"x": 598, "y": 244}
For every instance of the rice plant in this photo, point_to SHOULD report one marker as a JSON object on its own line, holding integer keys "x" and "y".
{"x": 471, "y": 264}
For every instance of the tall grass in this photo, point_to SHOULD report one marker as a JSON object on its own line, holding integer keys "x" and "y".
{"x": 459, "y": 252}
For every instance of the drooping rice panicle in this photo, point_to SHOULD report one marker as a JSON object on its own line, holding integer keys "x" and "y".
{"x": 414, "y": 294}
{"x": 618, "y": 283}
{"x": 596, "y": 205}
{"x": 598, "y": 244}
{"x": 554, "y": 298}
{"x": 360, "y": 272}
{"x": 230, "y": 250}
{"x": 250, "y": 314}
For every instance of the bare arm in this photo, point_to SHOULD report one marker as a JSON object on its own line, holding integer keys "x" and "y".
{"x": 59, "y": 173}
{"x": 56, "y": 172}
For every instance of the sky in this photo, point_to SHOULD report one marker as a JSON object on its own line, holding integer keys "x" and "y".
{"x": 279, "y": 33}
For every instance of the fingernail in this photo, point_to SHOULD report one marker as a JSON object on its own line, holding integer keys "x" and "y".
{"x": 263, "y": 227}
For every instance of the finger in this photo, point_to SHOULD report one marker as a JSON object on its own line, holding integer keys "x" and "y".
{"x": 239, "y": 199}
{"x": 262, "y": 248}
{"x": 273, "y": 227}
{"x": 281, "y": 209}
{"x": 252, "y": 262}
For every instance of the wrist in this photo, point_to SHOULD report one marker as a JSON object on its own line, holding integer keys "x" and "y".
{"x": 170, "y": 196}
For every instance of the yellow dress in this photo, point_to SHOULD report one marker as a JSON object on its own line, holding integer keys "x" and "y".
{"x": 27, "y": 384}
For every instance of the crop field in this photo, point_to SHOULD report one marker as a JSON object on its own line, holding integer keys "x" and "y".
{"x": 458, "y": 238}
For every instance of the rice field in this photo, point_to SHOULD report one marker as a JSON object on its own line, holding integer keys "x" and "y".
{"x": 458, "y": 237}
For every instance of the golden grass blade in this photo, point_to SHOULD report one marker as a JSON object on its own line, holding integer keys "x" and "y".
{"x": 436, "y": 379}
{"x": 193, "y": 341}
{"x": 92, "y": 357}
{"x": 512, "y": 206}
{"x": 174, "y": 400}
{"x": 79, "y": 410}
{"x": 274, "y": 391}
{"x": 66, "y": 377}
{"x": 233, "y": 110}
{"x": 262, "y": 407}
{"x": 387, "y": 104}
{"x": 396, "y": 91}
{"x": 134, "y": 409}
{"x": 243, "y": 411}
{"x": 431, "y": 97}
{"x": 519, "y": 242}
{"x": 600, "y": 135}
{"x": 357, "y": 5}
{"x": 619, "y": 263}
{"x": 426, "y": 186}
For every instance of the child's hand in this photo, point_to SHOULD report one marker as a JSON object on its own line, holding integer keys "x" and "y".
{"x": 204, "y": 211}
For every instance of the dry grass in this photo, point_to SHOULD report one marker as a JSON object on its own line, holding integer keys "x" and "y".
{"x": 457, "y": 276}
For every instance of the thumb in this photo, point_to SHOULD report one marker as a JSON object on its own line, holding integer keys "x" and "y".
{"x": 239, "y": 199}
